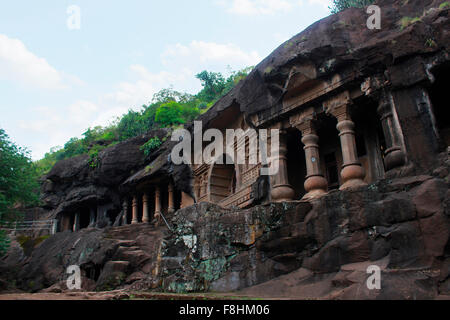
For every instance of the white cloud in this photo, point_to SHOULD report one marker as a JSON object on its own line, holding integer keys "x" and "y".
{"x": 324, "y": 3}
{"x": 199, "y": 55}
{"x": 56, "y": 125}
{"x": 256, "y": 7}
{"x": 21, "y": 65}
{"x": 266, "y": 7}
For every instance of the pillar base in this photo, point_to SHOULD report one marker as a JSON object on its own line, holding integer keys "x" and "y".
{"x": 134, "y": 222}
{"x": 394, "y": 158}
{"x": 315, "y": 186}
{"x": 282, "y": 193}
{"x": 171, "y": 211}
{"x": 352, "y": 176}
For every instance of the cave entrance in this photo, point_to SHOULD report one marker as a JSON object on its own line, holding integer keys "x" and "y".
{"x": 370, "y": 141}
{"x": 112, "y": 215}
{"x": 296, "y": 163}
{"x": 439, "y": 100}
{"x": 330, "y": 150}
{"x": 92, "y": 271}
{"x": 222, "y": 180}
{"x": 85, "y": 217}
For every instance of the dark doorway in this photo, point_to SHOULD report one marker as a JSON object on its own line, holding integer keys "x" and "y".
{"x": 438, "y": 95}
{"x": 296, "y": 163}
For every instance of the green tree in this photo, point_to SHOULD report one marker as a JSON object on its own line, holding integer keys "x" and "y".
{"x": 213, "y": 85}
{"x": 169, "y": 114}
{"x": 18, "y": 182}
{"x": 133, "y": 124}
{"x": 340, "y": 5}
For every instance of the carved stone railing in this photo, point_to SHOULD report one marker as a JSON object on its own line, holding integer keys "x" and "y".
{"x": 238, "y": 199}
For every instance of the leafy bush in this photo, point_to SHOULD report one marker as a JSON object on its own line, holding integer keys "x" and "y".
{"x": 4, "y": 243}
{"x": 151, "y": 145}
{"x": 340, "y": 5}
{"x": 18, "y": 182}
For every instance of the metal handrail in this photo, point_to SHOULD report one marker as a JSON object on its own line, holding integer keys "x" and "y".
{"x": 165, "y": 221}
{"x": 29, "y": 225}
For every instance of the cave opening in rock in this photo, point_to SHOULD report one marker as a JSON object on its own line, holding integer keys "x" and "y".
{"x": 92, "y": 271}
{"x": 296, "y": 164}
{"x": 84, "y": 218}
{"x": 370, "y": 142}
{"x": 439, "y": 100}
{"x": 330, "y": 150}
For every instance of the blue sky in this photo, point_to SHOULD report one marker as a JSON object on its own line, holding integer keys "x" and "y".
{"x": 56, "y": 82}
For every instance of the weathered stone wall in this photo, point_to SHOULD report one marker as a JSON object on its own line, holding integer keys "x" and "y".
{"x": 300, "y": 249}
{"x": 403, "y": 225}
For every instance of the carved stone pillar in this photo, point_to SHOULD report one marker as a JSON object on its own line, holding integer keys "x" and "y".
{"x": 197, "y": 189}
{"x": 76, "y": 222}
{"x": 352, "y": 173}
{"x": 145, "y": 213}
{"x": 135, "y": 219}
{"x": 281, "y": 189}
{"x": 125, "y": 213}
{"x": 394, "y": 154}
{"x": 92, "y": 214}
{"x": 157, "y": 203}
{"x": 171, "y": 199}
{"x": 315, "y": 184}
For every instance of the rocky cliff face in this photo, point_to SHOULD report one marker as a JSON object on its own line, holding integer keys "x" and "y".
{"x": 78, "y": 182}
{"x": 322, "y": 247}
{"x": 316, "y": 249}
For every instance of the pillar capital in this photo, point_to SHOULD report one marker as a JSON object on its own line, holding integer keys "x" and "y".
{"x": 307, "y": 126}
{"x": 303, "y": 120}
{"x": 339, "y": 106}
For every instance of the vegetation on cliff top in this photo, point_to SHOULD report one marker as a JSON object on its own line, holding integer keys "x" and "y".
{"x": 340, "y": 5}
{"x": 168, "y": 108}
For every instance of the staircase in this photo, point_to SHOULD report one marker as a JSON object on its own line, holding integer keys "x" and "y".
{"x": 135, "y": 261}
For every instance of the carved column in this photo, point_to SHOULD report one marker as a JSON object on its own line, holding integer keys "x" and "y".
{"x": 145, "y": 213}
{"x": 92, "y": 214}
{"x": 157, "y": 203}
{"x": 76, "y": 222}
{"x": 135, "y": 211}
{"x": 171, "y": 199}
{"x": 315, "y": 184}
{"x": 197, "y": 189}
{"x": 394, "y": 154}
{"x": 125, "y": 212}
{"x": 352, "y": 173}
{"x": 281, "y": 189}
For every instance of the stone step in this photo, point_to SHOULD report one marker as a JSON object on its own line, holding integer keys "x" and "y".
{"x": 127, "y": 243}
{"x": 121, "y": 266}
{"x": 136, "y": 257}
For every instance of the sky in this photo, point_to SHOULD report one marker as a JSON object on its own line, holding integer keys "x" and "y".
{"x": 67, "y": 65}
